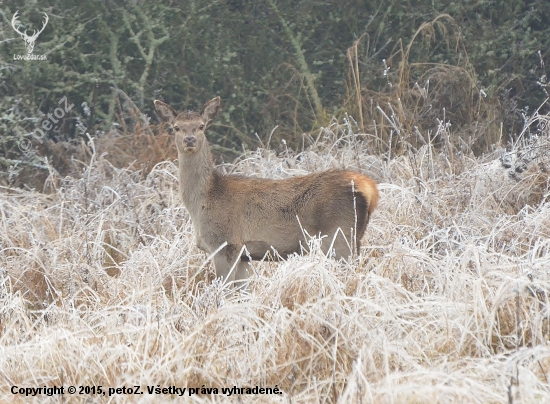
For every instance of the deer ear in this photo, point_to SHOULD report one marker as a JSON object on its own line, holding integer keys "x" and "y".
{"x": 165, "y": 111}
{"x": 210, "y": 109}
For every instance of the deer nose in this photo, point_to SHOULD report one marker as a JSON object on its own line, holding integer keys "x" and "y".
{"x": 190, "y": 140}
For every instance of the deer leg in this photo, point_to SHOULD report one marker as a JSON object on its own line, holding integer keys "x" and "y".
{"x": 336, "y": 243}
{"x": 242, "y": 274}
{"x": 225, "y": 260}
{"x": 223, "y": 266}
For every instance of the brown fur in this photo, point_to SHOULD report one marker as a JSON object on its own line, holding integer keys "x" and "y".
{"x": 267, "y": 216}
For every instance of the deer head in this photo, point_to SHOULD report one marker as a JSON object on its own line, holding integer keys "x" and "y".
{"x": 29, "y": 40}
{"x": 189, "y": 126}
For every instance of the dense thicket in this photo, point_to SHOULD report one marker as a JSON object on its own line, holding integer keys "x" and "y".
{"x": 275, "y": 62}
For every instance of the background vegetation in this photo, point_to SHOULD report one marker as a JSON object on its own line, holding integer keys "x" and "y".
{"x": 101, "y": 285}
{"x": 285, "y": 64}
{"x": 442, "y": 103}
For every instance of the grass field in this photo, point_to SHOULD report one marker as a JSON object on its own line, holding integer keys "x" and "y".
{"x": 101, "y": 285}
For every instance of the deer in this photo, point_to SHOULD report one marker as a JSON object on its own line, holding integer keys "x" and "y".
{"x": 29, "y": 40}
{"x": 240, "y": 218}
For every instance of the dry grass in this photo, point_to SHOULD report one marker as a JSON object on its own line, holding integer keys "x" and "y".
{"x": 101, "y": 284}
{"x": 418, "y": 92}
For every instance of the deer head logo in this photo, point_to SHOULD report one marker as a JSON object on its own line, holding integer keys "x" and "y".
{"x": 29, "y": 39}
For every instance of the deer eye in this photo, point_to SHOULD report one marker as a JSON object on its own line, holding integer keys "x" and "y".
{"x": 177, "y": 128}
{"x": 201, "y": 127}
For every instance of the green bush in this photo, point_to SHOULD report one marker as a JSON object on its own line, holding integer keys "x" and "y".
{"x": 274, "y": 63}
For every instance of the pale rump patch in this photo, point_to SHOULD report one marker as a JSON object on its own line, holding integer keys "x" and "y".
{"x": 366, "y": 186}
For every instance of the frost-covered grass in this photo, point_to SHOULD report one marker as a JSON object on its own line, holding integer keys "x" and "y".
{"x": 101, "y": 284}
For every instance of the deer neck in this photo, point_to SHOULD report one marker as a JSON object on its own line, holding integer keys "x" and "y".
{"x": 196, "y": 172}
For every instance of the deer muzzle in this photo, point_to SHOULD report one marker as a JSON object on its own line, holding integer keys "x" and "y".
{"x": 189, "y": 143}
